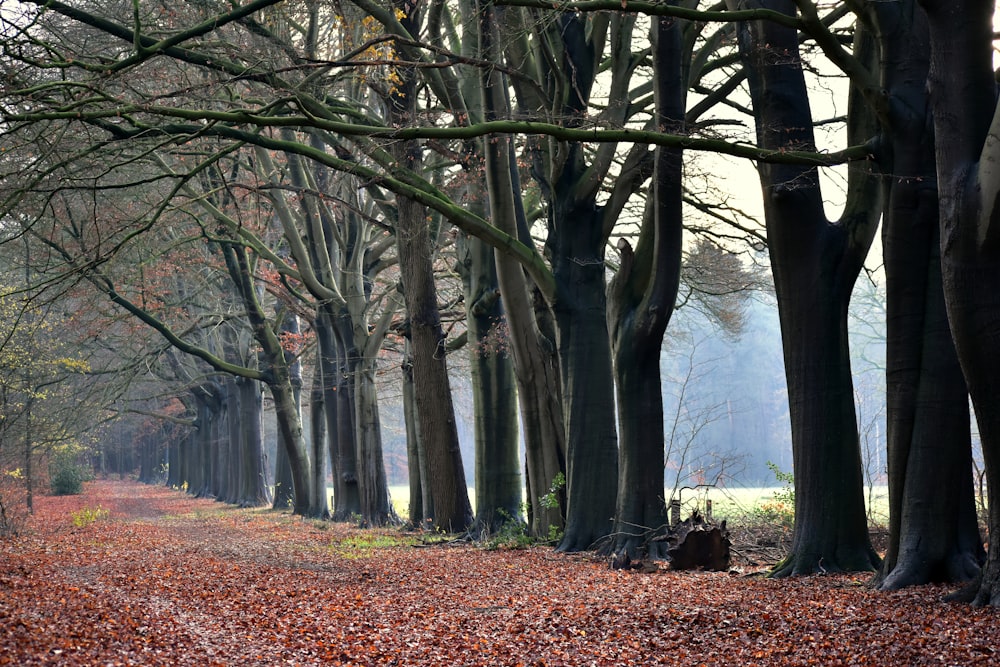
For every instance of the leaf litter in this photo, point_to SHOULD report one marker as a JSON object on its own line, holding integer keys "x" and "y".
{"x": 167, "y": 579}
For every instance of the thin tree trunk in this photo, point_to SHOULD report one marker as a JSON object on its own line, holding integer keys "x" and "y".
{"x": 446, "y": 476}
{"x": 539, "y": 392}
{"x": 421, "y": 506}
{"x": 498, "y": 476}
{"x": 317, "y": 429}
{"x": 376, "y": 506}
{"x": 284, "y": 493}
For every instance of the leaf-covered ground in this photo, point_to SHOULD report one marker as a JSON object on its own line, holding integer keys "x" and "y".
{"x": 169, "y": 580}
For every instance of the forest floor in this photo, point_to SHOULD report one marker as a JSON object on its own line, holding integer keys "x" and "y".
{"x": 165, "y": 579}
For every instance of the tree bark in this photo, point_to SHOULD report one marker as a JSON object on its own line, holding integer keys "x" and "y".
{"x": 642, "y": 296}
{"x": 815, "y": 264}
{"x": 966, "y": 123}
{"x": 317, "y": 430}
{"x": 933, "y": 529}
{"x": 421, "y": 505}
{"x": 586, "y": 369}
{"x": 536, "y": 368}
{"x": 254, "y": 491}
{"x": 376, "y": 506}
{"x": 497, "y": 468}
{"x": 284, "y": 493}
{"x": 338, "y": 404}
{"x": 432, "y": 388}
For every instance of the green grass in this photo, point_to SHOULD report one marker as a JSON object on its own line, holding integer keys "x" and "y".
{"x": 738, "y": 502}
{"x": 727, "y": 503}
{"x": 364, "y": 545}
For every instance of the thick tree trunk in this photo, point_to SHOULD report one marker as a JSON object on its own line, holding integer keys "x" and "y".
{"x": 966, "y": 123}
{"x": 254, "y": 491}
{"x": 642, "y": 297}
{"x": 432, "y": 388}
{"x": 933, "y": 529}
{"x": 338, "y": 404}
{"x": 202, "y": 468}
{"x": 831, "y": 530}
{"x": 815, "y": 264}
{"x": 586, "y": 372}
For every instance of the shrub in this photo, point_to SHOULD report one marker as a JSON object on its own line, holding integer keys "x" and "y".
{"x": 780, "y": 510}
{"x": 86, "y": 516}
{"x": 66, "y": 475}
{"x": 512, "y": 534}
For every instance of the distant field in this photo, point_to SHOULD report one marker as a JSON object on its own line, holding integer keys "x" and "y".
{"x": 729, "y": 503}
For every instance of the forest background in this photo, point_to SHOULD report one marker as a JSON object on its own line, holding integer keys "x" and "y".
{"x": 205, "y": 202}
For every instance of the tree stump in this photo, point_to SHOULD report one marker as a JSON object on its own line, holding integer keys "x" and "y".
{"x": 697, "y": 544}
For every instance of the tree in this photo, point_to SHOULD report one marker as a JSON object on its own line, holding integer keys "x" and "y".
{"x": 46, "y": 405}
{"x": 642, "y": 295}
{"x": 815, "y": 263}
{"x": 432, "y": 389}
{"x": 964, "y": 104}
{"x": 556, "y": 65}
{"x": 529, "y": 321}
{"x": 933, "y": 531}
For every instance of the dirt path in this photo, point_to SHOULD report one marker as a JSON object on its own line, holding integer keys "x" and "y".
{"x": 170, "y": 580}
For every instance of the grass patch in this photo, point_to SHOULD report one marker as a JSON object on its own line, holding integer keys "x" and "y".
{"x": 367, "y": 543}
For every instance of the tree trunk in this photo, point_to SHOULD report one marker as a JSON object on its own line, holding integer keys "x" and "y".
{"x": 432, "y": 388}
{"x": 284, "y": 493}
{"x": 586, "y": 371}
{"x": 376, "y": 505}
{"x": 933, "y": 529}
{"x": 815, "y": 264}
{"x": 966, "y": 123}
{"x": 229, "y": 451}
{"x": 338, "y": 403}
{"x": 174, "y": 465}
{"x": 317, "y": 429}
{"x": 254, "y": 491}
{"x": 421, "y": 506}
{"x": 288, "y": 415}
{"x": 204, "y": 445}
{"x": 642, "y": 296}
{"x": 498, "y": 476}
{"x": 536, "y": 368}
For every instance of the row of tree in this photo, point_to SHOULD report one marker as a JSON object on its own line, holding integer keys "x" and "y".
{"x": 223, "y": 174}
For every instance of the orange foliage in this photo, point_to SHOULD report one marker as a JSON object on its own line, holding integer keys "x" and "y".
{"x": 169, "y": 580}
